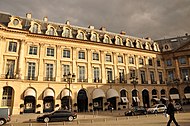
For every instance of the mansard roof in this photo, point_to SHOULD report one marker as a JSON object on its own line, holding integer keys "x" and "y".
{"x": 45, "y": 25}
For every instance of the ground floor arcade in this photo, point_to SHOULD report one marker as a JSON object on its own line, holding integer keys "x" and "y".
{"x": 25, "y": 97}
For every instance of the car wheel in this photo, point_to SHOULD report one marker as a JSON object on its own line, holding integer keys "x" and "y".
{"x": 133, "y": 114}
{"x": 144, "y": 112}
{"x": 46, "y": 119}
{"x": 155, "y": 112}
{"x": 70, "y": 118}
{"x": 2, "y": 121}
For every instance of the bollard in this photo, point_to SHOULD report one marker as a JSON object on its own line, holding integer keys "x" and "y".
{"x": 92, "y": 121}
{"x": 105, "y": 120}
{"x": 127, "y": 117}
{"x": 84, "y": 116}
{"x": 16, "y": 120}
{"x": 78, "y": 122}
{"x": 64, "y": 123}
{"x": 155, "y": 114}
{"x": 146, "y": 115}
{"x": 30, "y": 124}
{"x": 137, "y": 117}
{"x": 116, "y": 118}
{"x": 46, "y": 124}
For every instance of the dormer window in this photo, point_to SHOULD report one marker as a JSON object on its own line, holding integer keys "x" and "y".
{"x": 118, "y": 41}
{"x": 106, "y": 39}
{"x": 94, "y": 37}
{"x": 80, "y": 35}
{"x": 66, "y": 33}
{"x": 51, "y": 31}
{"x": 35, "y": 28}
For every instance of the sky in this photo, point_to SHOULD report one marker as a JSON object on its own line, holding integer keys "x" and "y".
{"x": 156, "y": 19}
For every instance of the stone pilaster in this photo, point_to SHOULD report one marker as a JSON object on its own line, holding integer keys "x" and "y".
{"x": 102, "y": 60}
{"x": 41, "y": 63}
{"x": 58, "y": 66}
{"x": 21, "y": 61}
{"x": 89, "y": 68}
{"x": 74, "y": 59}
{"x": 116, "y": 76}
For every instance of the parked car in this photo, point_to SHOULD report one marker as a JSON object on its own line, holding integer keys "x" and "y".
{"x": 4, "y": 115}
{"x": 137, "y": 110}
{"x": 157, "y": 108}
{"x": 178, "y": 107}
{"x": 59, "y": 115}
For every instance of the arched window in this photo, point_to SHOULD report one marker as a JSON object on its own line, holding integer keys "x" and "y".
{"x": 7, "y": 96}
{"x": 118, "y": 41}
{"x": 94, "y": 37}
{"x": 123, "y": 95}
{"x": 51, "y": 31}
{"x": 80, "y": 35}
{"x": 66, "y": 32}
{"x": 163, "y": 92}
{"x": 106, "y": 39}
{"x": 35, "y": 28}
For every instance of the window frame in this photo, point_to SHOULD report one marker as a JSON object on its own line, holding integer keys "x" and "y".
{"x": 81, "y": 55}
{"x": 33, "y": 50}
{"x": 50, "y": 51}
{"x": 12, "y": 46}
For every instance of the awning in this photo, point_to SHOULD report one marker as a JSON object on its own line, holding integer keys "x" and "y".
{"x": 156, "y": 99}
{"x": 124, "y": 100}
{"x": 30, "y": 92}
{"x": 48, "y": 92}
{"x": 136, "y": 99}
{"x": 98, "y": 93}
{"x": 187, "y": 95}
{"x": 174, "y": 96}
{"x": 65, "y": 92}
{"x": 112, "y": 93}
{"x": 165, "y": 98}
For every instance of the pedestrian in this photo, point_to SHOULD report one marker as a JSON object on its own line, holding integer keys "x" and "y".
{"x": 171, "y": 111}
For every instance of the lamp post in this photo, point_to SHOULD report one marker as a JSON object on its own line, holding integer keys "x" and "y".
{"x": 69, "y": 79}
{"x": 134, "y": 81}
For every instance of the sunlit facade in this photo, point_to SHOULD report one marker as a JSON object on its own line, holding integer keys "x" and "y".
{"x": 109, "y": 68}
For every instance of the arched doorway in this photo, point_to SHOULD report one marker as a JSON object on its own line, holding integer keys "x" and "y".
{"x": 48, "y": 100}
{"x": 112, "y": 96}
{"x": 30, "y": 100}
{"x": 155, "y": 99}
{"x": 174, "y": 94}
{"x": 123, "y": 98}
{"x": 8, "y": 97}
{"x": 82, "y": 101}
{"x": 145, "y": 97}
{"x": 66, "y": 99}
{"x": 135, "y": 98}
{"x": 97, "y": 99}
{"x": 163, "y": 96}
{"x": 187, "y": 95}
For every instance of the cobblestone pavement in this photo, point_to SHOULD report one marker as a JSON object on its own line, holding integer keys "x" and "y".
{"x": 104, "y": 119}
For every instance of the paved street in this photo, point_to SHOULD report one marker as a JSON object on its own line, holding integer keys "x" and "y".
{"x": 104, "y": 119}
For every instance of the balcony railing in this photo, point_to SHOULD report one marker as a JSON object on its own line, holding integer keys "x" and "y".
{"x": 82, "y": 80}
{"x": 110, "y": 81}
{"x": 97, "y": 80}
{"x": 31, "y": 78}
{"x": 49, "y": 78}
{"x": 5, "y": 76}
{"x": 144, "y": 82}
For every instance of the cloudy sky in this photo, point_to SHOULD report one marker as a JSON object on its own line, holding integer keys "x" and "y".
{"x": 141, "y": 18}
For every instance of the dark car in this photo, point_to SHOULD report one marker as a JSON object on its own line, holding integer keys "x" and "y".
{"x": 59, "y": 115}
{"x": 138, "y": 110}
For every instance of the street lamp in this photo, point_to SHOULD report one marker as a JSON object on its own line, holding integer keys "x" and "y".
{"x": 134, "y": 81}
{"x": 69, "y": 79}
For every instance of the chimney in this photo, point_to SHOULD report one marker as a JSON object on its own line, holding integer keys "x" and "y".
{"x": 28, "y": 15}
{"x": 67, "y": 22}
{"x": 45, "y": 19}
{"x": 103, "y": 28}
{"x": 123, "y": 33}
{"x": 91, "y": 27}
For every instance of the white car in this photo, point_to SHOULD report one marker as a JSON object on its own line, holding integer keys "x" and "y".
{"x": 157, "y": 108}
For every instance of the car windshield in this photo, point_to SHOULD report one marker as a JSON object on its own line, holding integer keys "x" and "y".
{"x": 154, "y": 106}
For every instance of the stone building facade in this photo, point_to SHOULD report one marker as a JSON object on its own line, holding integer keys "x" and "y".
{"x": 37, "y": 56}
